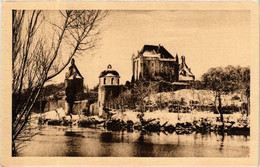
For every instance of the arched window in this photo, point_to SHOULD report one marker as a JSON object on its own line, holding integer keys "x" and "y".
{"x": 112, "y": 81}
{"x": 104, "y": 80}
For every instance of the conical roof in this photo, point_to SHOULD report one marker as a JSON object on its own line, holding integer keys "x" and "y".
{"x": 73, "y": 71}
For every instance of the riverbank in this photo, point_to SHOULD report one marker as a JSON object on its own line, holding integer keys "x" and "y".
{"x": 156, "y": 121}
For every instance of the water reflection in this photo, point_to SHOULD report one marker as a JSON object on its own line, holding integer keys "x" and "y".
{"x": 62, "y": 141}
{"x": 143, "y": 148}
{"x": 73, "y": 143}
{"x": 222, "y": 142}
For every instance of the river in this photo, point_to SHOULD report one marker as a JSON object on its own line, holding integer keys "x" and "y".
{"x": 86, "y": 142}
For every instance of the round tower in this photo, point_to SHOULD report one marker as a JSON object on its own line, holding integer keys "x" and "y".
{"x": 109, "y": 88}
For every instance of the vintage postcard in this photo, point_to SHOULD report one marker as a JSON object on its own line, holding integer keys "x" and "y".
{"x": 130, "y": 83}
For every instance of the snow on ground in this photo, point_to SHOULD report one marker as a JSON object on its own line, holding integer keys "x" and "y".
{"x": 52, "y": 115}
{"x": 95, "y": 117}
{"x": 128, "y": 115}
{"x": 164, "y": 117}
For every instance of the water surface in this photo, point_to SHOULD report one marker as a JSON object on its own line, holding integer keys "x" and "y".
{"x": 87, "y": 142}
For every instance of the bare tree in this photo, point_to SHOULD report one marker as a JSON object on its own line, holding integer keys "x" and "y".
{"x": 39, "y": 37}
{"x": 226, "y": 80}
{"x": 141, "y": 92}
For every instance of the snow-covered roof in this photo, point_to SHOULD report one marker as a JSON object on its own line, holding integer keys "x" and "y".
{"x": 185, "y": 78}
{"x": 151, "y": 54}
{"x": 167, "y": 59}
{"x": 185, "y": 71}
{"x": 156, "y": 50}
{"x": 109, "y": 72}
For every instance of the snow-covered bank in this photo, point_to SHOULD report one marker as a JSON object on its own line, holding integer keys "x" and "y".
{"x": 159, "y": 120}
{"x": 163, "y": 120}
{"x": 164, "y": 116}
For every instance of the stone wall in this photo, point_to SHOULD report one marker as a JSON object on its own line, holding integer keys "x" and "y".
{"x": 93, "y": 109}
{"x": 80, "y": 107}
{"x": 153, "y": 68}
{"x": 105, "y": 93}
{"x": 54, "y": 104}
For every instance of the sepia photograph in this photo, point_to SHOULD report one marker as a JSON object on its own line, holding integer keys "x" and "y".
{"x": 102, "y": 82}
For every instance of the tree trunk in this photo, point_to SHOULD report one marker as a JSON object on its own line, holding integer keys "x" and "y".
{"x": 221, "y": 113}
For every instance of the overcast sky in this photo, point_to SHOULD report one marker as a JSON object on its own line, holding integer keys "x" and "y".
{"x": 206, "y": 38}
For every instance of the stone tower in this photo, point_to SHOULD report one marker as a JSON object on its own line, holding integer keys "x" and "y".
{"x": 108, "y": 88}
{"x": 74, "y": 87}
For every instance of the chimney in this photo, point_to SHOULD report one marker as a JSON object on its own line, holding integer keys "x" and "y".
{"x": 159, "y": 48}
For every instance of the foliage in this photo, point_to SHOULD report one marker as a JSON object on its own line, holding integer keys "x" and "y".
{"x": 53, "y": 89}
{"x": 226, "y": 80}
{"x": 95, "y": 88}
{"x": 197, "y": 84}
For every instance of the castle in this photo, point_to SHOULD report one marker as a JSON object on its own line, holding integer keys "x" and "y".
{"x": 155, "y": 63}
{"x": 152, "y": 63}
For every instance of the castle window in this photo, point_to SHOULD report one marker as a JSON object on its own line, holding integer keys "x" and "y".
{"x": 152, "y": 64}
{"x": 104, "y": 80}
{"x": 112, "y": 81}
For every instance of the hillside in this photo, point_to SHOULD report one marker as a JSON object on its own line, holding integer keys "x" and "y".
{"x": 202, "y": 97}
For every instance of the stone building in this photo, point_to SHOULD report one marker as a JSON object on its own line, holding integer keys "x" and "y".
{"x": 156, "y": 63}
{"x": 74, "y": 82}
{"x": 72, "y": 100}
{"x": 109, "y": 87}
{"x": 185, "y": 74}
